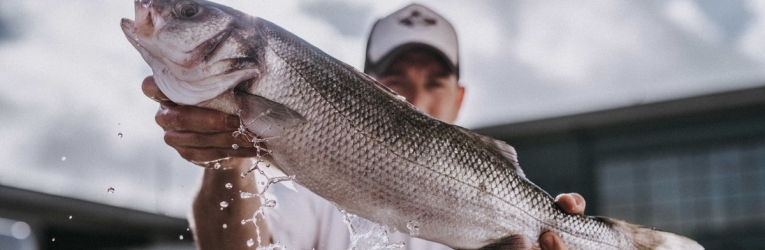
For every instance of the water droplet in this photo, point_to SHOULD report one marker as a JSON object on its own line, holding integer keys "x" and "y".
{"x": 223, "y": 204}
{"x": 244, "y": 222}
{"x": 119, "y": 135}
{"x": 188, "y": 229}
{"x": 225, "y": 226}
{"x": 270, "y": 203}
{"x": 54, "y": 239}
{"x": 229, "y": 186}
{"x": 63, "y": 158}
{"x": 217, "y": 165}
{"x": 235, "y": 146}
{"x": 70, "y": 217}
{"x": 110, "y": 190}
{"x": 180, "y": 237}
{"x": 250, "y": 243}
{"x": 414, "y": 228}
{"x": 246, "y": 195}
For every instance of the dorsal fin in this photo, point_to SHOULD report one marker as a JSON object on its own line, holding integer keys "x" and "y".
{"x": 507, "y": 151}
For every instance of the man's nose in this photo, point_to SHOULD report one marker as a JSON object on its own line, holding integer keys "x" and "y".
{"x": 418, "y": 98}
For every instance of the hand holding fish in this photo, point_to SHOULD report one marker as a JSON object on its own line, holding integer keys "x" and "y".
{"x": 198, "y": 134}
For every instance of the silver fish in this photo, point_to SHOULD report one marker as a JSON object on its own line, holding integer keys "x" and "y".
{"x": 353, "y": 141}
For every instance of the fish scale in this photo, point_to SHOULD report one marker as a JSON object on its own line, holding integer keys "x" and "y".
{"x": 354, "y": 142}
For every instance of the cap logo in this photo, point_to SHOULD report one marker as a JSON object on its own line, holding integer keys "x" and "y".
{"x": 417, "y": 19}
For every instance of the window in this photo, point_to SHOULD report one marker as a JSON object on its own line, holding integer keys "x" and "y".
{"x": 715, "y": 188}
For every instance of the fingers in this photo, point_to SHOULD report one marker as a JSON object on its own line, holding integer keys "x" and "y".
{"x": 222, "y": 140}
{"x": 551, "y": 241}
{"x": 150, "y": 89}
{"x": 572, "y": 203}
{"x": 198, "y": 134}
{"x": 195, "y": 119}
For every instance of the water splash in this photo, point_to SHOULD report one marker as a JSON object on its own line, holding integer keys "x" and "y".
{"x": 119, "y": 134}
{"x": 110, "y": 190}
{"x": 216, "y": 164}
{"x": 366, "y": 234}
{"x": 414, "y": 228}
{"x": 256, "y": 161}
{"x": 223, "y": 205}
{"x": 269, "y": 203}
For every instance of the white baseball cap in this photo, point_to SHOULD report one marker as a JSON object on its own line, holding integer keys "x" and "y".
{"x": 411, "y": 27}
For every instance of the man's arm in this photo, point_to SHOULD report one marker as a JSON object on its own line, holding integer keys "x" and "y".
{"x": 202, "y": 135}
{"x": 209, "y": 218}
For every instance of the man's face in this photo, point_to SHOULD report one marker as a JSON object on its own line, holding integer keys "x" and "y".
{"x": 426, "y": 83}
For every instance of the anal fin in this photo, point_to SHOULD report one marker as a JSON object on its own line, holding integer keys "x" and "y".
{"x": 272, "y": 169}
{"x": 513, "y": 242}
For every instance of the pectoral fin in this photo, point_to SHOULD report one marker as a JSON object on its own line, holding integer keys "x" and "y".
{"x": 264, "y": 117}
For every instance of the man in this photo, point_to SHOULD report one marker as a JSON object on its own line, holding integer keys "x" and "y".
{"x": 413, "y": 51}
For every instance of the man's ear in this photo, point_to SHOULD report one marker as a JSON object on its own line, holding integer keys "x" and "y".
{"x": 460, "y": 96}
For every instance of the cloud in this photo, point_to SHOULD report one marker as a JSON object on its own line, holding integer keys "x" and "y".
{"x": 752, "y": 41}
{"x": 731, "y": 17}
{"x": 571, "y": 42}
{"x": 9, "y": 11}
{"x": 689, "y": 17}
{"x": 561, "y": 58}
{"x": 351, "y": 23}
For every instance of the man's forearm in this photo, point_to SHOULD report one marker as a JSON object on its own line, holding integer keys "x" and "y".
{"x": 208, "y": 218}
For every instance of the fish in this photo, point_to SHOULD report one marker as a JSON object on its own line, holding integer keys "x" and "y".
{"x": 356, "y": 143}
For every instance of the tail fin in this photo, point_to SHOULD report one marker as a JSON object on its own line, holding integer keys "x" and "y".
{"x": 651, "y": 239}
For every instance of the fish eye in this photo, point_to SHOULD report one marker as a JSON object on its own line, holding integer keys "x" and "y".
{"x": 187, "y": 9}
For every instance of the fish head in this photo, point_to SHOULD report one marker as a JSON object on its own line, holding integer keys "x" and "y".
{"x": 196, "y": 49}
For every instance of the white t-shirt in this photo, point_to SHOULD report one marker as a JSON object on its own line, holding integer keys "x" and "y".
{"x": 303, "y": 221}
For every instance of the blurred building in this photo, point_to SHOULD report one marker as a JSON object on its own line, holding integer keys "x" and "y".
{"x": 30, "y": 220}
{"x": 695, "y": 166}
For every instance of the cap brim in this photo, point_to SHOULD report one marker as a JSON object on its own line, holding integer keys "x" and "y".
{"x": 382, "y": 66}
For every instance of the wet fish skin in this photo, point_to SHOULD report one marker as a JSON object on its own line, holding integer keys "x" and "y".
{"x": 354, "y": 142}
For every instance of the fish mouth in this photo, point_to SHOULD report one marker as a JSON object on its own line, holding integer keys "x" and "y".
{"x": 148, "y": 18}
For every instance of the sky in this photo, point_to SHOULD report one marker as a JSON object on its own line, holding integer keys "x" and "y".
{"x": 70, "y": 82}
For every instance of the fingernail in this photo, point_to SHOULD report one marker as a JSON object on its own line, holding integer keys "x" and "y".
{"x": 547, "y": 241}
